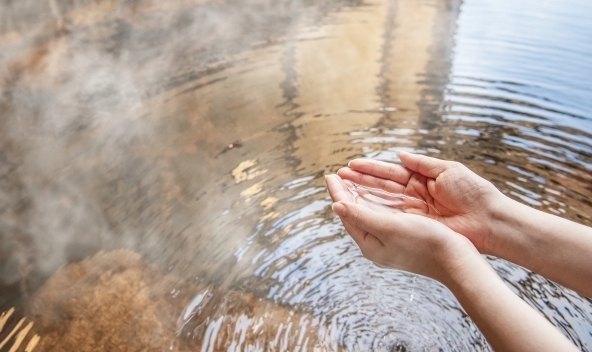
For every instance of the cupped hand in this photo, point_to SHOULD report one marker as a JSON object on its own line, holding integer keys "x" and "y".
{"x": 404, "y": 241}
{"x": 456, "y": 196}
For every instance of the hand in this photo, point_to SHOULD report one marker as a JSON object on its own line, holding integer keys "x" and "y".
{"x": 456, "y": 196}
{"x": 402, "y": 241}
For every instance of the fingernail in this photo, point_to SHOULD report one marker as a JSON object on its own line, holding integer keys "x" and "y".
{"x": 327, "y": 180}
{"x": 349, "y": 164}
{"x": 339, "y": 209}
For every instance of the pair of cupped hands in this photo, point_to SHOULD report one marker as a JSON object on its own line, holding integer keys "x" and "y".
{"x": 428, "y": 240}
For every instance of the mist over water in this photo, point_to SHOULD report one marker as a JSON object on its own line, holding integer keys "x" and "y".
{"x": 197, "y": 133}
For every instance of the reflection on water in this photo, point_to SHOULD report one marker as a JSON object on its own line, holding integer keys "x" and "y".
{"x": 197, "y": 134}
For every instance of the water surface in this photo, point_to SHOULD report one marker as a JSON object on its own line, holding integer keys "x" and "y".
{"x": 197, "y": 134}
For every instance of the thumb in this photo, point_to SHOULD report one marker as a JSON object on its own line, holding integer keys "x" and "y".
{"x": 365, "y": 219}
{"x": 425, "y": 165}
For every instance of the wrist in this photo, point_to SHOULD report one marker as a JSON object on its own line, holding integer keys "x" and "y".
{"x": 516, "y": 234}
{"x": 466, "y": 271}
{"x": 456, "y": 258}
{"x": 499, "y": 225}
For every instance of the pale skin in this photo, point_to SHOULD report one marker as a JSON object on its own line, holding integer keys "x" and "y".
{"x": 467, "y": 216}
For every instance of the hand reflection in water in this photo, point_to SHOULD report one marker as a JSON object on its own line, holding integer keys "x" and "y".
{"x": 444, "y": 217}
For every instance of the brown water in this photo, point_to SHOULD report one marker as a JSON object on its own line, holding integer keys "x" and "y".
{"x": 197, "y": 133}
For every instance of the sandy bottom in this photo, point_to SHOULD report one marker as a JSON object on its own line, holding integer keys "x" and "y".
{"x": 117, "y": 302}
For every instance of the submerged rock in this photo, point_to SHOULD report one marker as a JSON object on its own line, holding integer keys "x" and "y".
{"x": 117, "y": 302}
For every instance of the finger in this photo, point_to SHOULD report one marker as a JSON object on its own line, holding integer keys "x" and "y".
{"x": 365, "y": 219}
{"x": 417, "y": 187}
{"x": 425, "y": 165}
{"x": 368, "y": 243}
{"x": 357, "y": 234}
{"x": 337, "y": 189}
{"x": 393, "y": 172}
{"x": 340, "y": 191}
{"x": 370, "y": 181}
{"x": 431, "y": 184}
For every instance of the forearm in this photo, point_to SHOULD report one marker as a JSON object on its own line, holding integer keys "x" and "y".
{"x": 559, "y": 249}
{"x": 506, "y": 321}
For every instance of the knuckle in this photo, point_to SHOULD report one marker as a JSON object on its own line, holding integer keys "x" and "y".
{"x": 364, "y": 178}
{"x": 392, "y": 172}
{"x": 456, "y": 164}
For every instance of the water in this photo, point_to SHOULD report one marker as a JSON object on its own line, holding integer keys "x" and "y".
{"x": 382, "y": 201}
{"x": 197, "y": 134}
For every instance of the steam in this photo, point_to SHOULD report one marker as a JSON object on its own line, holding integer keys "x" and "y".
{"x": 82, "y": 92}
